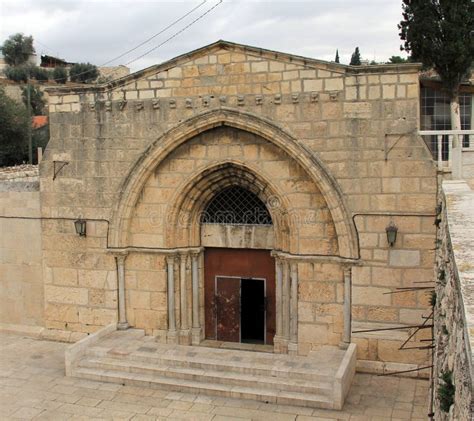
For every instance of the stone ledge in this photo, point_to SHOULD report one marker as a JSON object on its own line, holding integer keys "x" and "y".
{"x": 39, "y": 332}
{"x": 380, "y": 367}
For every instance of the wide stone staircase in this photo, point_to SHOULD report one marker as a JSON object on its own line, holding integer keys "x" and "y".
{"x": 320, "y": 380}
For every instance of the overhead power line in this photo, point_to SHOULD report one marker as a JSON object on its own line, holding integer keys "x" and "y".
{"x": 157, "y": 34}
{"x": 176, "y": 33}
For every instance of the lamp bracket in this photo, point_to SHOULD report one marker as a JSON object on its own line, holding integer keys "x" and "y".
{"x": 57, "y": 167}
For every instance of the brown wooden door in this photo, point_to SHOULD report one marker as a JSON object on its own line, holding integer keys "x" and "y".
{"x": 244, "y": 264}
{"x": 228, "y": 309}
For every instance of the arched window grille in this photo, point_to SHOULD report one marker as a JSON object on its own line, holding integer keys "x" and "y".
{"x": 236, "y": 205}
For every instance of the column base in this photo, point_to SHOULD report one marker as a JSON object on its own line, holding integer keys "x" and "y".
{"x": 293, "y": 348}
{"x": 172, "y": 337}
{"x": 185, "y": 337}
{"x": 280, "y": 345}
{"x": 344, "y": 345}
{"x": 196, "y": 335}
{"x": 122, "y": 326}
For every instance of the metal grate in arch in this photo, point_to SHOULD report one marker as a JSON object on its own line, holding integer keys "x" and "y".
{"x": 236, "y": 205}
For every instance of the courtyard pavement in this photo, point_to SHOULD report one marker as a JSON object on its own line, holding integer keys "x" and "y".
{"x": 33, "y": 386}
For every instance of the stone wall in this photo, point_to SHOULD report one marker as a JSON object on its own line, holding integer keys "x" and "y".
{"x": 358, "y": 125}
{"x": 21, "y": 281}
{"x": 454, "y": 310}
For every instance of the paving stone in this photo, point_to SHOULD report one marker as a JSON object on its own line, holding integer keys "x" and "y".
{"x": 367, "y": 400}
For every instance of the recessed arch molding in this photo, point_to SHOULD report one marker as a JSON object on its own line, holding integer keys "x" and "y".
{"x": 158, "y": 150}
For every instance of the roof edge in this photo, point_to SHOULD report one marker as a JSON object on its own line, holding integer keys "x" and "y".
{"x": 228, "y": 45}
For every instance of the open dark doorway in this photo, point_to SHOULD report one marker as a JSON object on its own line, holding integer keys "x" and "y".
{"x": 252, "y": 317}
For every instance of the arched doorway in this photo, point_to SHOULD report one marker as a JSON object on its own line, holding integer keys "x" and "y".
{"x": 239, "y": 283}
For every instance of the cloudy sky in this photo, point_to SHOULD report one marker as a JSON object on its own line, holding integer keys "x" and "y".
{"x": 100, "y": 30}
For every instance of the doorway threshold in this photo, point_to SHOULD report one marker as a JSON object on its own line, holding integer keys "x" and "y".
{"x": 209, "y": 343}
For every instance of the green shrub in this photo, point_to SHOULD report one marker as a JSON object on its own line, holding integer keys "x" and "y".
{"x": 40, "y": 74}
{"x": 446, "y": 391}
{"x": 83, "y": 73}
{"x": 17, "y": 74}
{"x": 13, "y": 131}
{"x": 60, "y": 75}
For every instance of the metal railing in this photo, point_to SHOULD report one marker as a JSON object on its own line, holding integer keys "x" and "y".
{"x": 440, "y": 143}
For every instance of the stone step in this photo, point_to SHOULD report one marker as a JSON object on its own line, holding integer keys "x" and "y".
{"x": 210, "y": 376}
{"x": 191, "y": 386}
{"x": 249, "y": 363}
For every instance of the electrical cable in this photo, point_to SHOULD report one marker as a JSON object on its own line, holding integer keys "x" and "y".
{"x": 153, "y": 36}
{"x": 174, "y": 35}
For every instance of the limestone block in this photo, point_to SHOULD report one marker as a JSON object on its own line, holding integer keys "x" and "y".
{"x": 147, "y": 94}
{"x": 277, "y": 66}
{"x": 162, "y": 93}
{"x": 404, "y": 258}
{"x": 382, "y": 314}
{"x": 158, "y": 301}
{"x": 333, "y": 84}
{"x": 66, "y": 295}
{"x": 388, "y": 351}
{"x": 61, "y": 312}
{"x": 374, "y": 92}
{"x": 312, "y": 85}
{"x": 391, "y": 79}
{"x": 305, "y": 312}
{"x": 386, "y": 276}
{"x": 138, "y": 299}
{"x": 408, "y": 78}
{"x": 411, "y": 316}
{"x": 67, "y": 99}
{"x": 331, "y": 110}
{"x": 322, "y": 292}
{"x": 290, "y": 75}
{"x": 131, "y": 95}
{"x": 143, "y": 84}
{"x": 351, "y": 93}
{"x": 361, "y": 275}
{"x": 259, "y": 66}
{"x": 93, "y": 278}
{"x": 175, "y": 72}
{"x": 388, "y": 91}
{"x": 97, "y": 316}
{"x": 405, "y": 299}
{"x": 97, "y": 297}
{"x": 401, "y": 91}
{"x": 150, "y": 319}
{"x": 64, "y": 276}
{"x": 413, "y": 90}
{"x": 313, "y": 333}
{"x": 370, "y": 296}
{"x": 418, "y": 241}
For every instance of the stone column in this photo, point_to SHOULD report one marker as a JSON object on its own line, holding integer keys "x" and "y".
{"x": 285, "y": 313}
{"x": 122, "y": 309}
{"x": 183, "y": 295}
{"x": 346, "y": 339}
{"x": 293, "y": 344}
{"x": 278, "y": 339}
{"x": 172, "y": 333}
{"x": 196, "y": 331}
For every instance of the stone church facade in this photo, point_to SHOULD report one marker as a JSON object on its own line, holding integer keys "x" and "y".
{"x": 237, "y": 194}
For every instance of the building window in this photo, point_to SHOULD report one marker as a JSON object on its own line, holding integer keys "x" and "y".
{"x": 238, "y": 206}
{"x": 436, "y": 115}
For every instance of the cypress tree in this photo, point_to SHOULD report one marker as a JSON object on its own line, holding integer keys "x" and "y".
{"x": 337, "y": 56}
{"x": 355, "y": 58}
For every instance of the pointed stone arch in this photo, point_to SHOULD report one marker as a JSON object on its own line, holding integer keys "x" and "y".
{"x": 266, "y": 129}
{"x": 184, "y": 217}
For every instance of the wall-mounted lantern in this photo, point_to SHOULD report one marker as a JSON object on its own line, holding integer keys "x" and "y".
{"x": 80, "y": 226}
{"x": 391, "y": 231}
